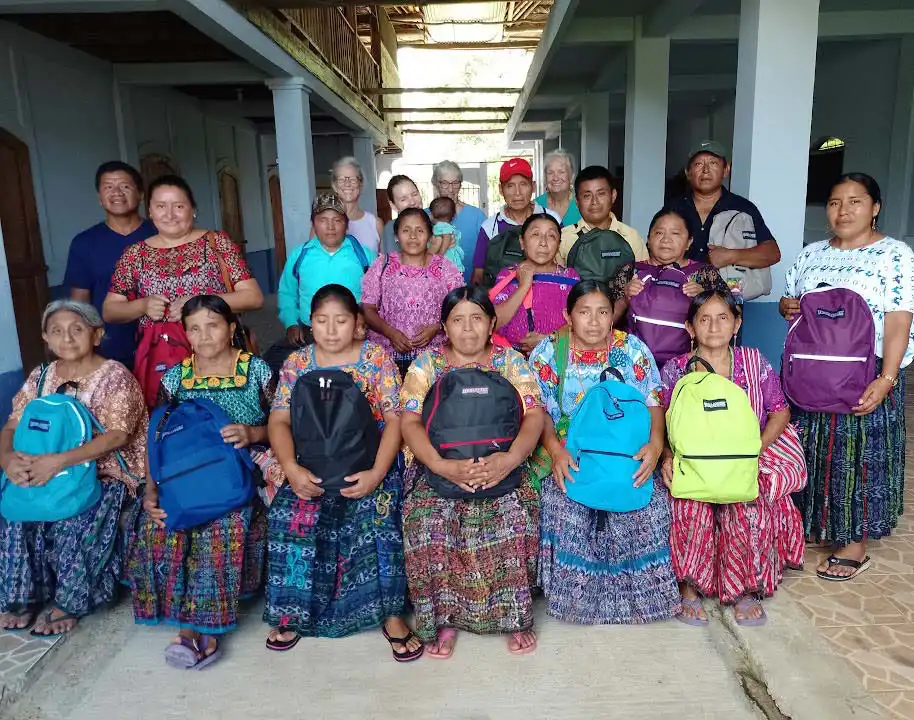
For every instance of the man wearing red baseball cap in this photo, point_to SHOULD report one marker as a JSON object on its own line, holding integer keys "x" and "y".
{"x": 517, "y": 189}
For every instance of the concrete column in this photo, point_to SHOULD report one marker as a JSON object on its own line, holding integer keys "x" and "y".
{"x": 570, "y": 139}
{"x": 363, "y": 151}
{"x": 646, "y": 109}
{"x": 10, "y": 358}
{"x": 595, "y": 130}
{"x": 295, "y": 155}
{"x": 771, "y": 145}
{"x": 898, "y": 194}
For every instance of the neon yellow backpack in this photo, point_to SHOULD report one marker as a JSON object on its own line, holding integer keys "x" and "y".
{"x": 715, "y": 437}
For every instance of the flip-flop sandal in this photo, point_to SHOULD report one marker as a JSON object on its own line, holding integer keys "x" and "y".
{"x": 28, "y": 626}
{"x": 283, "y": 645}
{"x": 522, "y": 650}
{"x": 47, "y": 619}
{"x": 695, "y": 620}
{"x": 406, "y": 655}
{"x": 186, "y": 653}
{"x": 745, "y": 605}
{"x": 444, "y": 635}
{"x": 858, "y": 565}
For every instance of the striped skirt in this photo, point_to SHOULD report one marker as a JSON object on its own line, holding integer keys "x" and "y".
{"x": 470, "y": 564}
{"x": 335, "y": 566}
{"x": 74, "y": 563}
{"x": 194, "y": 578}
{"x": 601, "y": 568}
{"x": 856, "y": 471}
{"x": 729, "y": 551}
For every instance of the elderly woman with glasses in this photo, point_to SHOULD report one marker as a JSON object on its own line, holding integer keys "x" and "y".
{"x": 559, "y": 197}
{"x": 347, "y": 180}
{"x": 447, "y": 179}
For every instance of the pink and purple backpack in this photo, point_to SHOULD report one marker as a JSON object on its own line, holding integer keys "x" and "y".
{"x": 829, "y": 355}
{"x": 658, "y": 313}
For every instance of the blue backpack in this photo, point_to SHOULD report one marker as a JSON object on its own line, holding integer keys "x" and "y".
{"x": 200, "y": 477}
{"x": 53, "y": 424}
{"x": 610, "y": 426}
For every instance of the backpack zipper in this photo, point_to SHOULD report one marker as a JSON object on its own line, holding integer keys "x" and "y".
{"x": 829, "y": 358}
{"x": 607, "y": 452}
{"x": 464, "y": 443}
{"x": 718, "y": 457}
{"x": 654, "y": 321}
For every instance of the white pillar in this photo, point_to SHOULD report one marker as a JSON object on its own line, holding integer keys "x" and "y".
{"x": 772, "y": 125}
{"x": 898, "y": 192}
{"x": 570, "y": 139}
{"x": 363, "y": 151}
{"x": 646, "y": 109}
{"x": 295, "y": 154}
{"x": 595, "y": 130}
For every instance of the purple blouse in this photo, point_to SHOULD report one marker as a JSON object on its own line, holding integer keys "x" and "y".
{"x": 550, "y": 290}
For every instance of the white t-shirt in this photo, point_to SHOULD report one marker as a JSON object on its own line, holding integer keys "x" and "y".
{"x": 881, "y": 273}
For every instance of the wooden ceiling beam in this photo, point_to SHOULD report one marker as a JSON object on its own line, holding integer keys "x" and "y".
{"x": 474, "y": 131}
{"x": 444, "y": 110}
{"x": 438, "y": 90}
{"x": 504, "y": 45}
{"x": 449, "y": 121}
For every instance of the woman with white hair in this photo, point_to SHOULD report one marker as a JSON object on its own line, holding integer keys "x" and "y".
{"x": 347, "y": 180}
{"x": 559, "y": 195}
{"x": 447, "y": 178}
{"x": 56, "y": 569}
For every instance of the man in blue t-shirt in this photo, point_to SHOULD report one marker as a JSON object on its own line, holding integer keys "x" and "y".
{"x": 95, "y": 252}
{"x": 707, "y": 198}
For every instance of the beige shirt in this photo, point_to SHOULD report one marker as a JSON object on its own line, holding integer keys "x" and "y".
{"x": 570, "y": 235}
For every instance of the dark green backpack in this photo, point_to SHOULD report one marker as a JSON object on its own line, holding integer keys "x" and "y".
{"x": 599, "y": 254}
{"x": 502, "y": 251}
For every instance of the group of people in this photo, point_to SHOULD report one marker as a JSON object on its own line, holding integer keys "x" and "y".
{"x": 400, "y": 312}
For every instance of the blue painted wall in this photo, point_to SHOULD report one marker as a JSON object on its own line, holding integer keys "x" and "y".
{"x": 264, "y": 269}
{"x": 765, "y": 329}
{"x": 10, "y": 382}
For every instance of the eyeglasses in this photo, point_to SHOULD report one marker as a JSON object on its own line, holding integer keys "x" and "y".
{"x": 455, "y": 185}
{"x": 348, "y": 180}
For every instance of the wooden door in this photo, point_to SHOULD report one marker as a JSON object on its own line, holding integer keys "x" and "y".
{"x": 230, "y": 206}
{"x": 279, "y": 228}
{"x": 22, "y": 242}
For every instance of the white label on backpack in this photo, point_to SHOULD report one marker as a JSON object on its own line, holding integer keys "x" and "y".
{"x": 174, "y": 430}
{"x": 830, "y": 314}
{"x": 668, "y": 283}
{"x": 513, "y": 253}
{"x": 712, "y": 405}
{"x": 161, "y": 367}
{"x": 39, "y": 425}
{"x": 475, "y": 391}
{"x": 611, "y": 254}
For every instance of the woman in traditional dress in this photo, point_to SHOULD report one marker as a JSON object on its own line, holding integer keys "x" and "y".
{"x": 737, "y": 552}
{"x": 525, "y": 322}
{"x": 402, "y": 291}
{"x": 193, "y": 579}
{"x": 470, "y": 563}
{"x": 857, "y": 461}
{"x": 59, "y": 572}
{"x": 336, "y": 561}
{"x": 601, "y": 567}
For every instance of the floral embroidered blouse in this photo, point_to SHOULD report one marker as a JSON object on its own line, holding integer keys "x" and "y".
{"x": 187, "y": 270}
{"x": 246, "y": 395}
{"x": 410, "y": 296}
{"x": 374, "y": 373}
{"x": 113, "y": 396}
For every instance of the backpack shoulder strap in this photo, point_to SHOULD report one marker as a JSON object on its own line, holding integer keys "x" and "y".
{"x": 224, "y": 270}
{"x": 562, "y": 348}
{"x": 43, "y": 375}
{"x": 502, "y": 284}
{"x": 360, "y": 253}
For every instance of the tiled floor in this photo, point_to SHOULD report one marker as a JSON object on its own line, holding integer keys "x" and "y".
{"x": 870, "y": 621}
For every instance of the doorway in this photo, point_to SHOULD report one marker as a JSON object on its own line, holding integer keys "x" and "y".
{"x": 22, "y": 242}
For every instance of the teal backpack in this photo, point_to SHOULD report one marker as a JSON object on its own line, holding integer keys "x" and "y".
{"x": 52, "y": 424}
{"x": 612, "y": 423}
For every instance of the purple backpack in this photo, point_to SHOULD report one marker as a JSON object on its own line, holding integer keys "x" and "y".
{"x": 829, "y": 355}
{"x": 658, "y": 313}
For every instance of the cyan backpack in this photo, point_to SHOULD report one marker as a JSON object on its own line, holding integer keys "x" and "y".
{"x": 54, "y": 423}
{"x": 612, "y": 423}
{"x": 715, "y": 437}
{"x": 199, "y": 476}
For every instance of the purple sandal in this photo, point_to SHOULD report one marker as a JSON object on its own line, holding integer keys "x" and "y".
{"x": 187, "y": 654}
{"x": 744, "y": 605}
{"x": 695, "y": 607}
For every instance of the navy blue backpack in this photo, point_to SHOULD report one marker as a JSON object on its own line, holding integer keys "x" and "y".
{"x": 200, "y": 477}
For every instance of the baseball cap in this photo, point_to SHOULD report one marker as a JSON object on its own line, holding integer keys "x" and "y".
{"x": 327, "y": 201}
{"x": 515, "y": 166}
{"x": 712, "y": 147}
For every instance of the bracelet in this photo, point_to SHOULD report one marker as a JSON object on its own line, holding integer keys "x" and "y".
{"x": 892, "y": 380}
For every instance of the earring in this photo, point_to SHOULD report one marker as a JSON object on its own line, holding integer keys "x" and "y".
{"x": 874, "y": 223}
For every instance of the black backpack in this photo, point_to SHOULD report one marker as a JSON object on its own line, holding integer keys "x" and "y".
{"x": 599, "y": 254}
{"x": 470, "y": 414}
{"x": 334, "y": 431}
{"x": 503, "y": 250}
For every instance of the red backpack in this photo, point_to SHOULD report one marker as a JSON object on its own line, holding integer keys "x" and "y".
{"x": 162, "y": 344}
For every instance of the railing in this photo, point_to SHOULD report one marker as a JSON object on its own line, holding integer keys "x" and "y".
{"x": 332, "y": 37}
